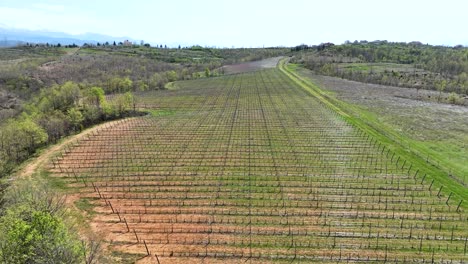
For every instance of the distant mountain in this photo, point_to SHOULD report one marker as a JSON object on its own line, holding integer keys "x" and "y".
{"x": 12, "y": 37}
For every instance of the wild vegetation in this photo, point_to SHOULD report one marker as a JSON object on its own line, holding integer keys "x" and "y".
{"x": 25, "y": 70}
{"x": 36, "y": 227}
{"x": 412, "y": 65}
{"x": 56, "y": 112}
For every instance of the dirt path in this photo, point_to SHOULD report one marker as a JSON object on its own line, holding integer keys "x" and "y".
{"x": 49, "y": 65}
{"x": 36, "y": 163}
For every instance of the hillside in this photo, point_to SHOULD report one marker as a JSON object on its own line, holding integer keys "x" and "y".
{"x": 410, "y": 65}
{"x": 208, "y": 162}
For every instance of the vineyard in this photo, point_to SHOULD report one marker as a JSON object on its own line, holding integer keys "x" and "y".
{"x": 252, "y": 168}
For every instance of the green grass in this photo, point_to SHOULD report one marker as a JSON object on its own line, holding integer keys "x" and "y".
{"x": 378, "y": 67}
{"x": 164, "y": 112}
{"x": 85, "y": 204}
{"x": 171, "y": 86}
{"x": 412, "y": 151}
{"x": 445, "y": 144}
{"x": 123, "y": 258}
{"x": 450, "y": 155}
{"x": 356, "y": 67}
{"x": 54, "y": 182}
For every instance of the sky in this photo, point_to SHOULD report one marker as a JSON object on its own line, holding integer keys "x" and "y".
{"x": 247, "y": 23}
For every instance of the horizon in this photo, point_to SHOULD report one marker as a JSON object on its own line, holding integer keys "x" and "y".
{"x": 211, "y": 23}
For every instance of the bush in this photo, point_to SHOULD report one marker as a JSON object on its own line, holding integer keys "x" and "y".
{"x": 454, "y": 98}
{"x": 33, "y": 227}
{"x": 31, "y": 236}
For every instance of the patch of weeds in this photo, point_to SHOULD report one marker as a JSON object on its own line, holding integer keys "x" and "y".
{"x": 171, "y": 86}
{"x": 85, "y": 204}
{"x": 123, "y": 257}
{"x": 165, "y": 112}
{"x": 54, "y": 182}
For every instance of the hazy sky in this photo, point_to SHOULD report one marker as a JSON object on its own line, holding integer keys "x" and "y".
{"x": 247, "y": 23}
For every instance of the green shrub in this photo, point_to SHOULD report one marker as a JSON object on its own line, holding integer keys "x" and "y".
{"x": 454, "y": 98}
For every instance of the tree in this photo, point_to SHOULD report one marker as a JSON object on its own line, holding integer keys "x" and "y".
{"x": 118, "y": 84}
{"x": 60, "y": 97}
{"x": 75, "y": 117}
{"x": 114, "y": 44}
{"x": 25, "y": 135}
{"x": 142, "y": 86}
{"x": 91, "y": 114}
{"x": 185, "y": 74}
{"x": 95, "y": 96}
{"x": 36, "y": 237}
{"x": 123, "y": 103}
{"x": 19, "y": 138}
{"x": 56, "y": 125}
{"x": 157, "y": 81}
{"x": 126, "y": 84}
{"x": 95, "y": 105}
{"x": 440, "y": 86}
{"x": 69, "y": 93}
{"x": 207, "y": 72}
{"x": 171, "y": 76}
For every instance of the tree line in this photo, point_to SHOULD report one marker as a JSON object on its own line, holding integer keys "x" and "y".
{"x": 56, "y": 112}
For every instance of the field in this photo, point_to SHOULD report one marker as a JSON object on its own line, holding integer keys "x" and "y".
{"x": 439, "y": 130}
{"x": 251, "y": 66}
{"x": 252, "y": 168}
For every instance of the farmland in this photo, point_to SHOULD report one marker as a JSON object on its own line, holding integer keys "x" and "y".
{"x": 252, "y": 167}
{"x": 439, "y": 130}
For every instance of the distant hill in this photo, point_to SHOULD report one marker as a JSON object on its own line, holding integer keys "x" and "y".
{"x": 12, "y": 37}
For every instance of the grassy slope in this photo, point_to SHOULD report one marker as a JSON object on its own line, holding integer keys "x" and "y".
{"x": 413, "y": 153}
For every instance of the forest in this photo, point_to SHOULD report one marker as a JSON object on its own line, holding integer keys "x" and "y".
{"x": 412, "y": 65}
